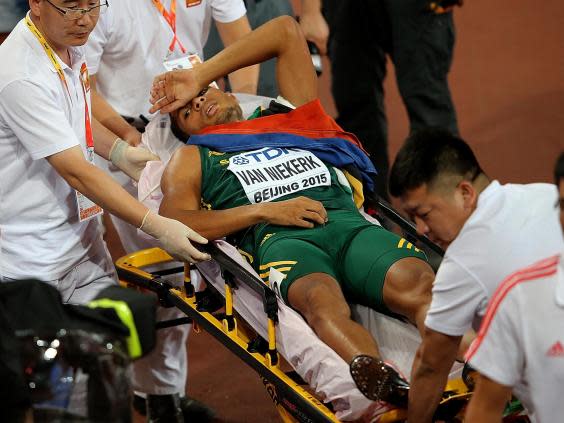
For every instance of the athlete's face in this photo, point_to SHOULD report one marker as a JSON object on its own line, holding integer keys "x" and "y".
{"x": 211, "y": 107}
{"x": 561, "y": 200}
{"x": 441, "y": 212}
{"x": 60, "y": 32}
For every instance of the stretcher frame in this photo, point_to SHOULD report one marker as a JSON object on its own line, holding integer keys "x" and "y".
{"x": 293, "y": 402}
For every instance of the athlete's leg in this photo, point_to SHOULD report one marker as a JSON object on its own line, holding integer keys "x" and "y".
{"x": 407, "y": 289}
{"x": 310, "y": 286}
{"x": 386, "y": 273}
{"x": 318, "y": 297}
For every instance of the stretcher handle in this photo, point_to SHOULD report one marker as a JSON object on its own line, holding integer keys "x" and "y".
{"x": 404, "y": 223}
{"x": 146, "y": 281}
{"x": 243, "y": 275}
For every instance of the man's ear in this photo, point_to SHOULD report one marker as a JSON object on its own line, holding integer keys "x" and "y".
{"x": 469, "y": 194}
{"x": 34, "y": 7}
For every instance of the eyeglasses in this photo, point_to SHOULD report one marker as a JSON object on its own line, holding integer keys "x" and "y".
{"x": 75, "y": 13}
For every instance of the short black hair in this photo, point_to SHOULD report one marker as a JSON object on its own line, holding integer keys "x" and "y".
{"x": 428, "y": 153}
{"x": 559, "y": 169}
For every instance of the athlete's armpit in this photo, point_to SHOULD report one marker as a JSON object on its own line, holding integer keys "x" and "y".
{"x": 181, "y": 182}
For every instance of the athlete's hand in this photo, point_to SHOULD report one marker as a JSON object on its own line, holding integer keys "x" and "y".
{"x": 173, "y": 90}
{"x": 300, "y": 211}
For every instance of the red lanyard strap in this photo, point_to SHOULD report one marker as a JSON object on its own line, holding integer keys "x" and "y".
{"x": 85, "y": 82}
{"x": 170, "y": 18}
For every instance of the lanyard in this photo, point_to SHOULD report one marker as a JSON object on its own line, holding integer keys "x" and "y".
{"x": 170, "y": 18}
{"x": 50, "y": 53}
{"x": 85, "y": 82}
{"x": 83, "y": 79}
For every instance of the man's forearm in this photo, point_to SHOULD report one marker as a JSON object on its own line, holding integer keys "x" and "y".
{"x": 244, "y": 80}
{"x": 281, "y": 38}
{"x": 103, "y": 139}
{"x": 433, "y": 361}
{"x": 108, "y": 117}
{"x": 97, "y": 185}
{"x": 488, "y": 401}
{"x": 483, "y": 415}
{"x": 108, "y": 194}
{"x": 215, "y": 224}
{"x": 425, "y": 392}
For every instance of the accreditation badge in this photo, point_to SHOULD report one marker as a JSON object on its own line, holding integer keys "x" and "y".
{"x": 187, "y": 61}
{"x": 271, "y": 173}
{"x": 87, "y": 209}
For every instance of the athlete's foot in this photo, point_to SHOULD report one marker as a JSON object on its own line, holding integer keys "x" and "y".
{"x": 379, "y": 381}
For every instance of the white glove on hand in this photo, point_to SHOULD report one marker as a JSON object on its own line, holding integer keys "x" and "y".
{"x": 130, "y": 160}
{"x": 174, "y": 237}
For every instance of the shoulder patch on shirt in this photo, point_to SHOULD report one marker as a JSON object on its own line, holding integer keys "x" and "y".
{"x": 190, "y": 3}
{"x": 556, "y": 350}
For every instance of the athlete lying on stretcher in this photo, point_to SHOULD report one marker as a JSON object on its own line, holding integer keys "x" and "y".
{"x": 286, "y": 205}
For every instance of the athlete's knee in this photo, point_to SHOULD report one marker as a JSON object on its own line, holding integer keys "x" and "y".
{"x": 326, "y": 305}
{"x": 407, "y": 287}
{"x": 319, "y": 299}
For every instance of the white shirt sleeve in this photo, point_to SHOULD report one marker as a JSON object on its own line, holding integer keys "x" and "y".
{"x": 35, "y": 116}
{"x": 456, "y": 298}
{"x": 498, "y": 351}
{"x": 227, "y": 10}
{"x": 97, "y": 41}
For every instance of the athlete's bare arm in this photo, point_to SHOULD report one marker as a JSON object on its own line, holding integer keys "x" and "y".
{"x": 244, "y": 80}
{"x": 181, "y": 187}
{"x": 281, "y": 38}
{"x": 488, "y": 401}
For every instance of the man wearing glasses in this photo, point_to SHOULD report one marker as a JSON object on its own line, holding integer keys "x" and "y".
{"x": 51, "y": 192}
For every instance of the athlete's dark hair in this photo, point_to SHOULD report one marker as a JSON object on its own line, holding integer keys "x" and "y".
{"x": 559, "y": 169}
{"x": 428, "y": 153}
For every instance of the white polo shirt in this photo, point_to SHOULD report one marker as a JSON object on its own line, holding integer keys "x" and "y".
{"x": 521, "y": 341}
{"x": 40, "y": 234}
{"x": 127, "y": 48}
{"x": 513, "y": 226}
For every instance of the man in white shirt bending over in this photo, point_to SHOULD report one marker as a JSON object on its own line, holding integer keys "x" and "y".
{"x": 489, "y": 231}
{"x": 520, "y": 346}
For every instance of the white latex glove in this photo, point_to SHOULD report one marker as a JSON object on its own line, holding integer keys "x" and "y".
{"x": 174, "y": 237}
{"x": 130, "y": 160}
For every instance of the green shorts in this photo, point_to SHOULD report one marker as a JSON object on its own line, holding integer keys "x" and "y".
{"x": 355, "y": 252}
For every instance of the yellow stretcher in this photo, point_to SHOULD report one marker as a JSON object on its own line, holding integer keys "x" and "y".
{"x": 294, "y": 403}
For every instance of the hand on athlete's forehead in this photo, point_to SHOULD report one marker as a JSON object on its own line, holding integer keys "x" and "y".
{"x": 173, "y": 90}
